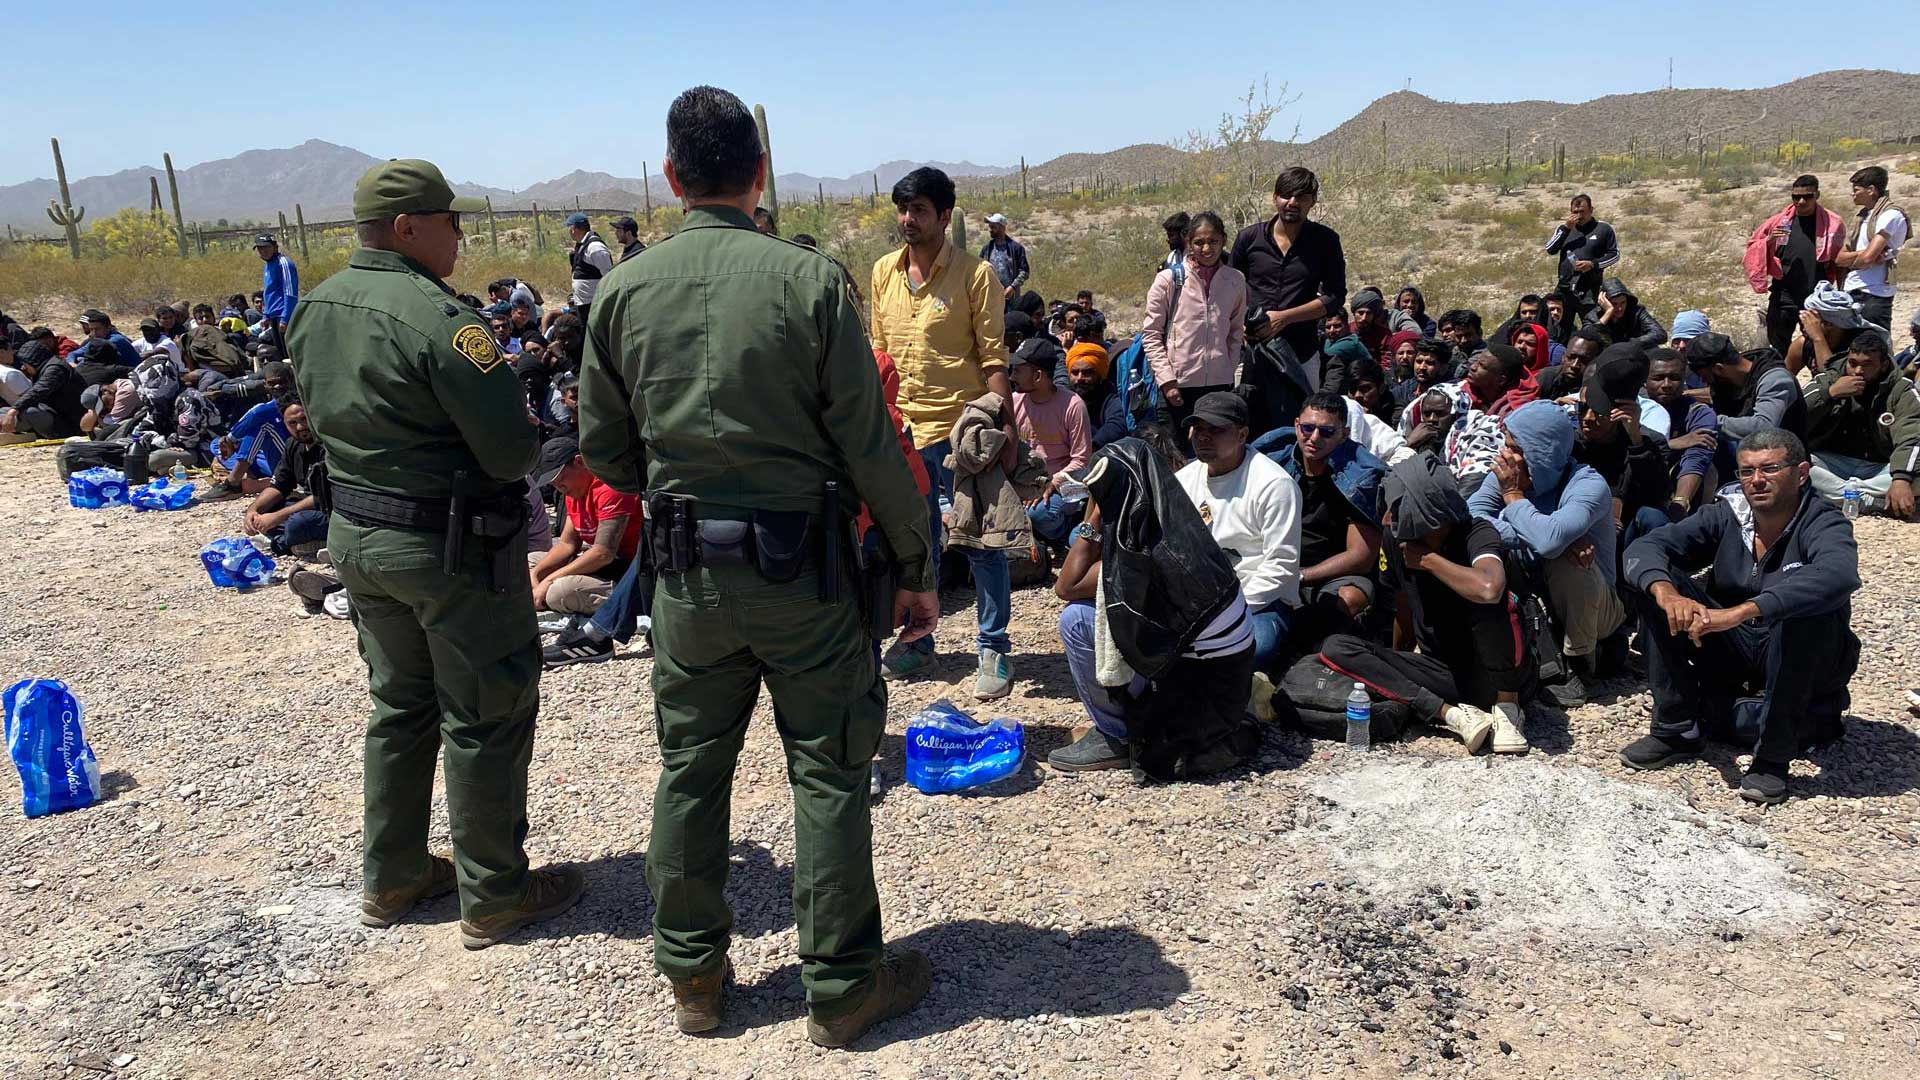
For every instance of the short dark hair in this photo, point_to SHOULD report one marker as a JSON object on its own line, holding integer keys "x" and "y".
{"x": 277, "y": 369}
{"x": 1531, "y": 298}
{"x": 1805, "y": 180}
{"x": 1335, "y": 313}
{"x": 1083, "y": 294}
{"x": 1872, "y": 176}
{"x": 1328, "y": 402}
{"x": 925, "y": 182}
{"x": 1086, "y": 328}
{"x": 1177, "y": 221}
{"x": 1513, "y": 364}
{"x": 1433, "y": 347}
{"x": 1296, "y": 181}
{"x": 1464, "y": 318}
{"x": 1160, "y": 438}
{"x": 1871, "y": 340}
{"x": 713, "y": 143}
{"x": 1365, "y": 369}
{"x": 1583, "y": 197}
{"x": 1776, "y": 439}
{"x": 1594, "y": 334}
{"x": 806, "y": 240}
{"x": 203, "y": 306}
{"x": 1192, "y": 224}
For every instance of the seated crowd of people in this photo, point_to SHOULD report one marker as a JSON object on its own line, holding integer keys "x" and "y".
{"x": 1268, "y": 474}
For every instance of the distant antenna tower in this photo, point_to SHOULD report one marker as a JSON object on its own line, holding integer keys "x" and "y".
{"x": 1669, "y": 72}
{"x": 1409, "y": 85}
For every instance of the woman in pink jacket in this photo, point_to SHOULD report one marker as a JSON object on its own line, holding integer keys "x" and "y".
{"x": 1196, "y": 324}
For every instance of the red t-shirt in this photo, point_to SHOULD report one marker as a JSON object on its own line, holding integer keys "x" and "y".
{"x": 602, "y": 503}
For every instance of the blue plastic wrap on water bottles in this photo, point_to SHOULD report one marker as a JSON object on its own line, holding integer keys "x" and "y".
{"x": 161, "y": 495}
{"x": 233, "y": 563}
{"x": 947, "y": 750}
{"x": 97, "y": 487}
{"x": 57, "y": 768}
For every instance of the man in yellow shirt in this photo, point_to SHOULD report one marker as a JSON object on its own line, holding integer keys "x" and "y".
{"x": 939, "y": 312}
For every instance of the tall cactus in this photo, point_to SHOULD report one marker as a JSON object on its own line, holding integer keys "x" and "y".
{"x": 173, "y": 190}
{"x": 153, "y": 195}
{"x": 64, "y": 213}
{"x": 766, "y": 147}
{"x": 959, "y": 229}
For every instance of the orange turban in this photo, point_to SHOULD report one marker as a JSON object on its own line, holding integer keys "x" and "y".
{"x": 1087, "y": 352}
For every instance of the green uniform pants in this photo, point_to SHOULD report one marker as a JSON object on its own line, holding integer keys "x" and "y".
{"x": 718, "y": 631}
{"x": 450, "y": 664}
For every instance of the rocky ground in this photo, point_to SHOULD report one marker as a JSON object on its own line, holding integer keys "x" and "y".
{"x": 1410, "y": 913}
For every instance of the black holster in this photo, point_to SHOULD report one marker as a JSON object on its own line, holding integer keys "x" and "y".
{"x": 878, "y": 579}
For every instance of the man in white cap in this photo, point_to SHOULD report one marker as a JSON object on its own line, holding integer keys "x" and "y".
{"x": 1007, "y": 257}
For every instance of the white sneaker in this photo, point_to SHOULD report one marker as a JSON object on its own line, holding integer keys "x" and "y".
{"x": 1508, "y": 738}
{"x": 1470, "y": 724}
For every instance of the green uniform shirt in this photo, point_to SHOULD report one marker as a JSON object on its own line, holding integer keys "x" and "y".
{"x": 403, "y": 383}
{"x": 734, "y": 368}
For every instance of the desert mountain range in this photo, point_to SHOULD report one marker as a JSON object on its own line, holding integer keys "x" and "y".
{"x": 1400, "y": 128}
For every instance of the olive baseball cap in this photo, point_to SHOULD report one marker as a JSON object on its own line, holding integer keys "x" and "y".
{"x": 407, "y": 186}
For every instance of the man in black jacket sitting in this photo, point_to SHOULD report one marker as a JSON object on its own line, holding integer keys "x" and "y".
{"x": 1772, "y": 618}
{"x": 51, "y": 407}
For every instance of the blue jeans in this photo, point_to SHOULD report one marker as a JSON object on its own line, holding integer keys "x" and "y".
{"x": 992, "y": 586}
{"x": 1053, "y": 517}
{"x": 618, "y": 616}
{"x": 1103, "y": 706}
{"x": 1271, "y": 626}
{"x": 303, "y": 527}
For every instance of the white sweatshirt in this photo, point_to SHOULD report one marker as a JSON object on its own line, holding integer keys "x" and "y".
{"x": 1254, "y": 515}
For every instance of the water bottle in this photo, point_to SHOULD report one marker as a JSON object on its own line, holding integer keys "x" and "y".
{"x": 1073, "y": 491}
{"x": 178, "y": 473}
{"x": 947, "y": 750}
{"x": 1359, "y": 719}
{"x": 1850, "y": 498}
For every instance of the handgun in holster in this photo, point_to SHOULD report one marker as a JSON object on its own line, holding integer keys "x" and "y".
{"x": 670, "y": 532}
{"x": 879, "y": 579}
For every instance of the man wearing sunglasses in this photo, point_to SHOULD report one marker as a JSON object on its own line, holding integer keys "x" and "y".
{"x": 1339, "y": 483}
{"x": 428, "y": 445}
{"x": 1761, "y": 651}
{"x": 1790, "y": 253}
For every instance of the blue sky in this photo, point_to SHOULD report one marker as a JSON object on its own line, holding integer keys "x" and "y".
{"x": 497, "y": 96}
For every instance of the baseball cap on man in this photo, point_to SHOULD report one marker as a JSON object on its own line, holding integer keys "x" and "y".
{"x": 1220, "y": 409}
{"x": 625, "y": 222}
{"x": 93, "y": 316}
{"x": 407, "y": 186}
{"x": 996, "y": 219}
{"x": 577, "y": 218}
{"x": 265, "y": 240}
{"x": 1616, "y": 377}
{"x": 555, "y": 456}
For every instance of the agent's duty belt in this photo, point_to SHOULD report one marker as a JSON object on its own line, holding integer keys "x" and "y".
{"x": 497, "y": 521}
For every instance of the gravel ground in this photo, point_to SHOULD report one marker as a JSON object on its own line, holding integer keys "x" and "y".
{"x": 1409, "y": 914}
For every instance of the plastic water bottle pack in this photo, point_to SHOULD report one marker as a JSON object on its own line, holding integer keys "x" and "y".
{"x": 97, "y": 487}
{"x": 57, "y": 768}
{"x": 161, "y": 495}
{"x": 947, "y": 750}
{"x": 233, "y": 563}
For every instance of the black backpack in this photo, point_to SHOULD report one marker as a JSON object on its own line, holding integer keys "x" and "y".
{"x": 76, "y": 457}
{"x": 1312, "y": 698}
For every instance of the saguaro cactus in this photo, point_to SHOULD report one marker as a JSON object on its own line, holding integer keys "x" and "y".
{"x": 153, "y": 195}
{"x": 766, "y": 147}
{"x": 64, "y": 213}
{"x": 173, "y": 192}
{"x": 959, "y": 229}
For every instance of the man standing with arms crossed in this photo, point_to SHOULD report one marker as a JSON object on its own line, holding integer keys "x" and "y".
{"x": 684, "y": 398}
{"x": 941, "y": 314}
{"x": 424, "y": 424}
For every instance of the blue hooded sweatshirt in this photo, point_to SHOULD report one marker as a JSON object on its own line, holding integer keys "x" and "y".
{"x": 1565, "y": 501}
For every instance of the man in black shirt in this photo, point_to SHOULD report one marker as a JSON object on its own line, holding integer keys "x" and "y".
{"x": 1452, "y": 564}
{"x": 1586, "y": 247}
{"x": 1563, "y": 380}
{"x": 1296, "y": 275}
{"x": 1796, "y": 245}
{"x": 626, "y": 233}
{"x": 292, "y": 525}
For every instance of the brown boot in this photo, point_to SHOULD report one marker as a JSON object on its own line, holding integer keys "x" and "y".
{"x": 898, "y": 985}
{"x": 550, "y": 891}
{"x": 382, "y": 909}
{"x": 700, "y": 1002}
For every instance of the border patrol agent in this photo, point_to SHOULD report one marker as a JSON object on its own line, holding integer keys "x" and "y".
{"x": 728, "y": 376}
{"x": 429, "y": 443}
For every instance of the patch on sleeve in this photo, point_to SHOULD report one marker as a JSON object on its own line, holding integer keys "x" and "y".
{"x": 474, "y": 342}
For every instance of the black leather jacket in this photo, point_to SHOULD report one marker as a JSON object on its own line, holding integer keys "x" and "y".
{"x": 1164, "y": 577}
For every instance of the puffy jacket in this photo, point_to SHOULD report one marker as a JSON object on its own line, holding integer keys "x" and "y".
{"x": 57, "y": 387}
{"x": 1199, "y": 345}
{"x": 1638, "y": 327}
{"x": 1881, "y": 423}
{"x": 1357, "y": 473}
{"x": 1812, "y": 569}
{"x": 1163, "y": 576}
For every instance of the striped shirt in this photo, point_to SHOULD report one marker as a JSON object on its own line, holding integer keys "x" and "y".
{"x": 1229, "y": 632}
